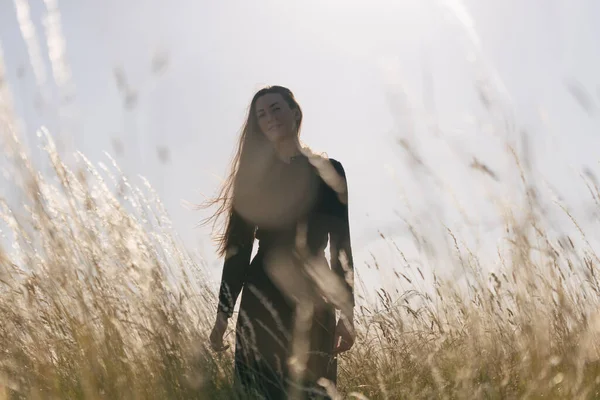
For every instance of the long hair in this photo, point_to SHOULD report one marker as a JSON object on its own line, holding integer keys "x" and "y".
{"x": 250, "y": 135}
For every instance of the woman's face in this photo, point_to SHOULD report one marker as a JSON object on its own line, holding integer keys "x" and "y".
{"x": 276, "y": 119}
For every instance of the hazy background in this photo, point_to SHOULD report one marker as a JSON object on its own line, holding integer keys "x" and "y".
{"x": 366, "y": 74}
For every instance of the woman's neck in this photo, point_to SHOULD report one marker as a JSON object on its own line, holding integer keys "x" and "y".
{"x": 287, "y": 150}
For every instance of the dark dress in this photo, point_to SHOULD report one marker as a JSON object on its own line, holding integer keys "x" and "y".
{"x": 266, "y": 328}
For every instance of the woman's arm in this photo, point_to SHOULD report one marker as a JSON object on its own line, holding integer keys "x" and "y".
{"x": 342, "y": 262}
{"x": 235, "y": 266}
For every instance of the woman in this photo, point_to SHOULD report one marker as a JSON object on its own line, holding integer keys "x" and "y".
{"x": 292, "y": 201}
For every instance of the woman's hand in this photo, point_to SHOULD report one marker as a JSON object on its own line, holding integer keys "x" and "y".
{"x": 216, "y": 336}
{"x": 344, "y": 335}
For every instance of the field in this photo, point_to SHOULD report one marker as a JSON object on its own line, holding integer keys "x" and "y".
{"x": 99, "y": 300}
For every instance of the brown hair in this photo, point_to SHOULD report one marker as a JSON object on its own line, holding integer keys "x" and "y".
{"x": 250, "y": 135}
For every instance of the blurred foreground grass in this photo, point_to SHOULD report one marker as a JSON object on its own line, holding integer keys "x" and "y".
{"x": 99, "y": 300}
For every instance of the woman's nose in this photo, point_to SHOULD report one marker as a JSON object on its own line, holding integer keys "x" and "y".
{"x": 271, "y": 120}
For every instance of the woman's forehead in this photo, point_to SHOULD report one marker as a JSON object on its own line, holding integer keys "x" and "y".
{"x": 267, "y": 99}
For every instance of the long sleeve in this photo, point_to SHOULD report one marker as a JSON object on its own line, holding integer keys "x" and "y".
{"x": 237, "y": 261}
{"x": 341, "y": 259}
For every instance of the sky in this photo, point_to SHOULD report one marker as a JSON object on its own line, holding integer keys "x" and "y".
{"x": 369, "y": 76}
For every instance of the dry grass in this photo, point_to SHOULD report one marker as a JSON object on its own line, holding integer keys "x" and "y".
{"x": 98, "y": 300}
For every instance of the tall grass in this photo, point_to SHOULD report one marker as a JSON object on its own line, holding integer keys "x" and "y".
{"x": 99, "y": 300}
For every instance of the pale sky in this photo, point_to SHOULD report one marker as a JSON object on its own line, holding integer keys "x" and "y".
{"x": 365, "y": 72}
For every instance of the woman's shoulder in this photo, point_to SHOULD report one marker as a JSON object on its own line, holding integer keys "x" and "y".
{"x": 332, "y": 174}
{"x": 333, "y": 165}
{"x": 321, "y": 159}
{"x": 329, "y": 169}
{"x": 338, "y": 166}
